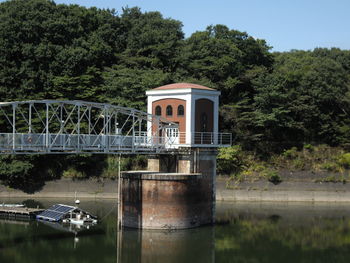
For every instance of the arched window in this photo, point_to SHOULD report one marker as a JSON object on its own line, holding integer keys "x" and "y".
{"x": 180, "y": 110}
{"x": 158, "y": 111}
{"x": 169, "y": 110}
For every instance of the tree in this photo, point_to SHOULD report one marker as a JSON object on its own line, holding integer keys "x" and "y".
{"x": 43, "y": 45}
{"x": 152, "y": 41}
{"x": 127, "y": 87}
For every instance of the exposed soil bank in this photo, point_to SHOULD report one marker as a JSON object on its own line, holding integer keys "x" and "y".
{"x": 296, "y": 186}
{"x": 283, "y": 192}
{"x": 226, "y": 190}
{"x": 66, "y": 188}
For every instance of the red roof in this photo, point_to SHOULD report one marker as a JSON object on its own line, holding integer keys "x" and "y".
{"x": 182, "y": 86}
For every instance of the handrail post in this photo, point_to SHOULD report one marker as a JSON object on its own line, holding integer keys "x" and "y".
{"x": 47, "y": 127}
{"x": 30, "y": 118}
{"x": 133, "y": 132}
{"x": 13, "y": 126}
{"x": 108, "y": 128}
{"x": 78, "y": 128}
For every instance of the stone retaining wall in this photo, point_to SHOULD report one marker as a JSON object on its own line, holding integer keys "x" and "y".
{"x": 256, "y": 191}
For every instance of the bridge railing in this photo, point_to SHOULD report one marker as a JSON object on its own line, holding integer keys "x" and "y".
{"x": 137, "y": 143}
{"x": 23, "y": 142}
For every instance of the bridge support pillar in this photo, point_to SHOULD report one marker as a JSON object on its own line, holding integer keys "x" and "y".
{"x": 203, "y": 161}
{"x": 177, "y": 192}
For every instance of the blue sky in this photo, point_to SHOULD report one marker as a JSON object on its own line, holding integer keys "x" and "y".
{"x": 284, "y": 24}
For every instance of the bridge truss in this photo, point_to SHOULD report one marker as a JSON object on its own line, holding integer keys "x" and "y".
{"x": 50, "y": 126}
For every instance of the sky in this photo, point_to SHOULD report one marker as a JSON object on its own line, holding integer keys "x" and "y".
{"x": 284, "y": 24}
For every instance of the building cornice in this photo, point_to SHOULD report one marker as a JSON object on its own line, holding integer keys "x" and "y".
{"x": 183, "y": 92}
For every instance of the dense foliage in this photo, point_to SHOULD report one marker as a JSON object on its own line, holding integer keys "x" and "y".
{"x": 270, "y": 101}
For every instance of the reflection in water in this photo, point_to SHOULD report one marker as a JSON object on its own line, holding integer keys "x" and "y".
{"x": 267, "y": 232}
{"x": 193, "y": 245}
{"x": 249, "y": 232}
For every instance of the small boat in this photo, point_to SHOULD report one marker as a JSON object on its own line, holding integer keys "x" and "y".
{"x": 79, "y": 219}
{"x": 67, "y": 214}
{"x": 11, "y": 205}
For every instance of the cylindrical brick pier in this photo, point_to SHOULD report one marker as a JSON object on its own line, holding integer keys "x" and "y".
{"x": 157, "y": 200}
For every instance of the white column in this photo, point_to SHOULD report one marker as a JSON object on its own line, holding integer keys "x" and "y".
{"x": 149, "y": 111}
{"x": 190, "y": 118}
{"x": 216, "y": 119}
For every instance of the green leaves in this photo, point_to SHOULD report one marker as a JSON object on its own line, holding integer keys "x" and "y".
{"x": 269, "y": 101}
{"x": 41, "y": 43}
{"x": 127, "y": 87}
{"x": 152, "y": 41}
{"x": 301, "y": 101}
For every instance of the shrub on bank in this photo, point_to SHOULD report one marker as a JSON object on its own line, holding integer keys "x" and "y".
{"x": 230, "y": 160}
{"x": 245, "y": 166}
{"x": 138, "y": 162}
{"x": 273, "y": 176}
{"x": 344, "y": 160}
{"x": 74, "y": 174}
{"x": 291, "y": 153}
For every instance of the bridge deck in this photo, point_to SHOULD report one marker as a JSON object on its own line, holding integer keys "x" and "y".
{"x": 73, "y": 143}
{"x": 47, "y": 126}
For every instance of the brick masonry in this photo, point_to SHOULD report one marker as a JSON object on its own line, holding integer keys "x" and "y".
{"x": 177, "y": 192}
{"x": 164, "y": 201}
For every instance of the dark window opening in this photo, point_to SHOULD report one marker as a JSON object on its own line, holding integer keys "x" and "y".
{"x": 158, "y": 111}
{"x": 169, "y": 110}
{"x": 204, "y": 122}
{"x": 180, "y": 110}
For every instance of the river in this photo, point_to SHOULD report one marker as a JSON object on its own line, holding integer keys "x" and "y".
{"x": 245, "y": 232}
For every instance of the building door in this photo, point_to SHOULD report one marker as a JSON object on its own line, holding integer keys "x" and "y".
{"x": 172, "y": 136}
{"x": 204, "y": 122}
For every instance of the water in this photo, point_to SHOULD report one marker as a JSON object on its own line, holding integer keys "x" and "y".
{"x": 246, "y": 232}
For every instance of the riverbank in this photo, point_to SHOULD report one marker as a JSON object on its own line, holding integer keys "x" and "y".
{"x": 263, "y": 190}
{"x": 67, "y": 188}
{"x": 290, "y": 190}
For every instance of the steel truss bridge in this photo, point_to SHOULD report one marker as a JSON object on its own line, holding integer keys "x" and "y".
{"x": 50, "y": 126}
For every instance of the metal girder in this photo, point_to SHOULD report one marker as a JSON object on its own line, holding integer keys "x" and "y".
{"x": 51, "y": 126}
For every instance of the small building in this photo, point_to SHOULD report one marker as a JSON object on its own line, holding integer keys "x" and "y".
{"x": 195, "y": 110}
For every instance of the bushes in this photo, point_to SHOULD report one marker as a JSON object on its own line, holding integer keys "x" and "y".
{"x": 272, "y": 176}
{"x": 291, "y": 153}
{"x": 29, "y": 173}
{"x": 73, "y": 173}
{"x": 244, "y": 166}
{"x": 313, "y": 158}
{"x": 127, "y": 163}
{"x": 230, "y": 160}
{"x": 344, "y": 160}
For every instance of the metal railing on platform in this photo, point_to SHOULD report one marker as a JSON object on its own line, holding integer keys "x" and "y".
{"x": 201, "y": 139}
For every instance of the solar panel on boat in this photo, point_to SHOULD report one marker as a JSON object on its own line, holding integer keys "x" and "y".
{"x": 55, "y": 212}
{"x": 63, "y": 209}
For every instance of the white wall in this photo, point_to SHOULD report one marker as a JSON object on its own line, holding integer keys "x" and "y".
{"x": 190, "y": 96}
